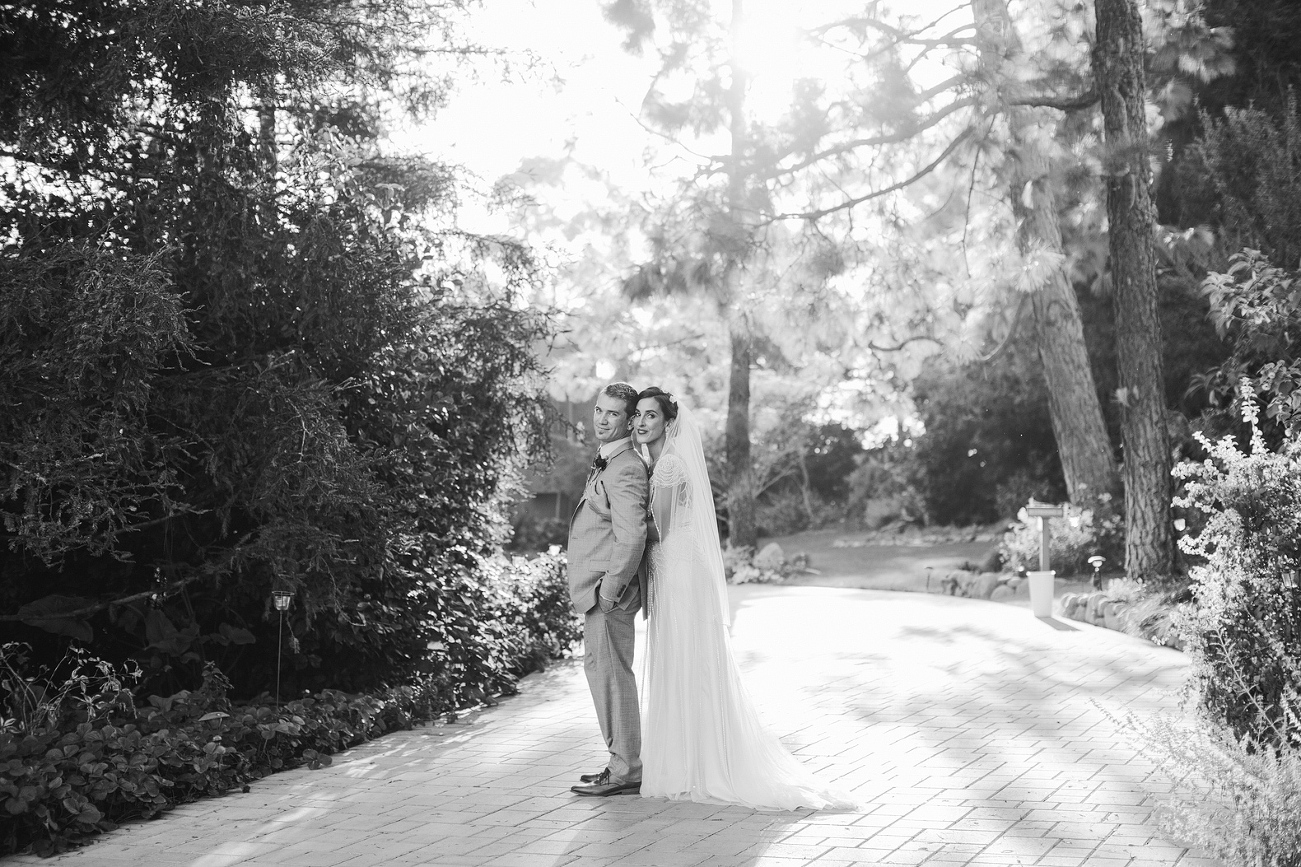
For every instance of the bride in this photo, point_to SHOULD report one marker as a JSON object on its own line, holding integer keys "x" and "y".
{"x": 702, "y": 739}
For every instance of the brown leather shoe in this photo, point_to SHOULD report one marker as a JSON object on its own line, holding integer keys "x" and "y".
{"x": 591, "y": 778}
{"x": 603, "y": 787}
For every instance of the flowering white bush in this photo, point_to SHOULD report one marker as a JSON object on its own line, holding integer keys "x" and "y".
{"x": 1248, "y": 592}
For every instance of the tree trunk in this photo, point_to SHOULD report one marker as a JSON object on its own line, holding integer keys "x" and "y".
{"x": 266, "y": 115}
{"x": 740, "y": 466}
{"x": 742, "y": 530}
{"x": 1083, "y": 445}
{"x": 1082, "y": 442}
{"x": 1118, "y": 69}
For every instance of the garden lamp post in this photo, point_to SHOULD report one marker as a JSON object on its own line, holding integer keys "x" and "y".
{"x": 1096, "y": 562}
{"x": 280, "y": 599}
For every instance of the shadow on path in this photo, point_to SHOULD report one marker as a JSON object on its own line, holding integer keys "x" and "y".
{"x": 971, "y": 733}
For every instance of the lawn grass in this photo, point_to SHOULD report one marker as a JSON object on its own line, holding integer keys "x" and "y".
{"x": 875, "y": 560}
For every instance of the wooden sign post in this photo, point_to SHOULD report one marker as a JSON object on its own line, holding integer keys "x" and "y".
{"x": 1041, "y": 582}
{"x": 1044, "y": 511}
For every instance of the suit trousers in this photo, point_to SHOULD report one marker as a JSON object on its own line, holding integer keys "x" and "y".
{"x": 607, "y": 661}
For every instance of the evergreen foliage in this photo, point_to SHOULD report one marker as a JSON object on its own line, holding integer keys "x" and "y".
{"x": 1250, "y": 165}
{"x": 1251, "y": 161}
{"x": 242, "y": 349}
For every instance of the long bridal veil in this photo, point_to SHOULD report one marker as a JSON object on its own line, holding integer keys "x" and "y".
{"x": 686, "y": 504}
{"x": 702, "y": 738}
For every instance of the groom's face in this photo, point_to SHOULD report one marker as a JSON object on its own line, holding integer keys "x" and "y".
{"x": 610, "y": 419}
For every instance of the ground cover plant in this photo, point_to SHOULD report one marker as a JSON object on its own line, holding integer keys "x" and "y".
{"x": 82, "y": 748}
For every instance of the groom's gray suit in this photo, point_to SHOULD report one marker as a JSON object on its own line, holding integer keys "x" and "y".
{"x": 607, "y": 540}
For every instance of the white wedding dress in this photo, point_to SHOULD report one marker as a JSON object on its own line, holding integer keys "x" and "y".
{"x": 702, "y": 739}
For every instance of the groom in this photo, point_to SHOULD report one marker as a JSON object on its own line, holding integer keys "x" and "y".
{"x": 607, "y": 538}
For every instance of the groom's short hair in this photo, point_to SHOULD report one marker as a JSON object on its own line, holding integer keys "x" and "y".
{"x": 625, "y": 392}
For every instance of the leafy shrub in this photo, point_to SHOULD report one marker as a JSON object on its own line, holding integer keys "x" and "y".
{"x": 884, "y": 486}
{"x": 533, "y": 604}
{"x": 1251, "y": 161}
{"x": 76, "y": 685}
{"x": 1257, "y": 306}
{"x": 984, "y": 425}
{"x": 1246, "y": 164}
{"x": 481, "y": 628}
{"x": 1012, "y": 493}
{"x": 88, "y": 759}
{"x": 263, "y": 368}
{"x": 783, "y": 511}
{"x": 1249, "y": 601}
{"x": 530, "y": 532}
{"x": 741, "y": 565}
{"x": 1072, "y": 540}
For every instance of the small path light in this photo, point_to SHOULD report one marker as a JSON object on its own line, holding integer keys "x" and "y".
{"x": 1041, "y": 582}
{"x": 280, "y": 599}
{"x": 1096, "y": 562}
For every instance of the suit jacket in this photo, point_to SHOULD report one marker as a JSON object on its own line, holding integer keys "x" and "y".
{"x": 607, "y": 534}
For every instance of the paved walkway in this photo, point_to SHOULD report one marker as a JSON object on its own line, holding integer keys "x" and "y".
{"x": 972, "y": 732}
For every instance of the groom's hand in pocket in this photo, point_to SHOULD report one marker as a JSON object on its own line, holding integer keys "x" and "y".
{"x": 605, "y": 603}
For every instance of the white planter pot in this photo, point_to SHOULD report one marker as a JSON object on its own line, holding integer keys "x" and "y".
{"x": 1041, "y": 593}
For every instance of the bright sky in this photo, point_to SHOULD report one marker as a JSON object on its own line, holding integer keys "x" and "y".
{"x": 584, "y": 96}
{"x": 588, "y": 89}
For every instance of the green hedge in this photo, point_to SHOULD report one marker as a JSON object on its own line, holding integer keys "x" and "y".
{"x": 80, "y": 752}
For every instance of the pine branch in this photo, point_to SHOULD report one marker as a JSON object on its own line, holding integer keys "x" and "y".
{"x": 872, "y": 345}
{"x": 1062, "y": 103}
{"x": 1011, "y": 332}
{"x": 904, "y": 37}
{"x": 876, "y": 194}
{"x": 100, "y": 606}
{"x": 874, "y": 141}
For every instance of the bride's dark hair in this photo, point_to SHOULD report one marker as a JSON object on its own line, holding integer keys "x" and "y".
{"x": 668, "y": 406}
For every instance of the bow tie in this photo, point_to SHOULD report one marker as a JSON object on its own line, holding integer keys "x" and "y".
{"x": 598, "y": 463}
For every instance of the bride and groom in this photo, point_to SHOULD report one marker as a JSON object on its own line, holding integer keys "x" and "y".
{"x": 644, "y": 535}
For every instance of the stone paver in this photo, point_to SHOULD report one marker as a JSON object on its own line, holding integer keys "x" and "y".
{"x": 971, "y": 732}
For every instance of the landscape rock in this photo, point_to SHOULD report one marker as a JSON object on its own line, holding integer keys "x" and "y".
{"x": 976, "y": 585}
{"x": 771, "y": 558}
{"x": 1092, "y": 601}
{"x": 985, "y": 584}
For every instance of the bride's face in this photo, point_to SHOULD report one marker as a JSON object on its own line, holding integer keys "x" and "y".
{"x": 648, "y": 424}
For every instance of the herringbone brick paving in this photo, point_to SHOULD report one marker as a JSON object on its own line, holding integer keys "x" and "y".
{"x": 971, "y": 732}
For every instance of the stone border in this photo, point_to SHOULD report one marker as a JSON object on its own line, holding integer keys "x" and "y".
{"x": 1100, "y": 609}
